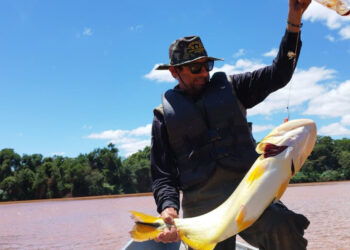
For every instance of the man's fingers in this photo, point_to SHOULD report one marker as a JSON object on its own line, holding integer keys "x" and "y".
{"x": 157, "y": 239}
{"x": 168, "y": 235}
{"x": 168, "y": 220}
{"x": 175, "y": 234}
{"x": 161, "y": 238}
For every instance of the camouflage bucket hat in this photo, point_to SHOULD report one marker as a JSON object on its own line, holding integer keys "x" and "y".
{"x": 185, "y": 50}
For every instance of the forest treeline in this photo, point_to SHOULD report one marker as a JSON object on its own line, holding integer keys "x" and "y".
{"x": 100, "y": 172}
{"x": 104, "y": 172}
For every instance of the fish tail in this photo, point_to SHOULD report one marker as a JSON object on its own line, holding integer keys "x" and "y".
{"x": 146, "y": 227}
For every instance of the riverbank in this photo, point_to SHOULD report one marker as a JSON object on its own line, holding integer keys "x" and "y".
{"x": 116, "y": 196}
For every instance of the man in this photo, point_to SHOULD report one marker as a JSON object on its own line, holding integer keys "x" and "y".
{"x": 202, "y": 142}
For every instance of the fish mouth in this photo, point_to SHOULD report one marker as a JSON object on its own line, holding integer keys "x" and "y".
{"x": 291, "y": 133}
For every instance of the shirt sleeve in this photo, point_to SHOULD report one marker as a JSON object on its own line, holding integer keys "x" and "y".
{"x": 253, "y": 87}
{"x": 164, "y": 173}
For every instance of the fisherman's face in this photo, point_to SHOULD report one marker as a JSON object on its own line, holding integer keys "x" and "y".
{"x": 190, "y": 82}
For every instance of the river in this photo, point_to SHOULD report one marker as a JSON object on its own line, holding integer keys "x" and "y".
{"x": 104, "y": 223}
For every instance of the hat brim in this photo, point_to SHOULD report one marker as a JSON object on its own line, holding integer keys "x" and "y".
{"x": 167, "y": 66}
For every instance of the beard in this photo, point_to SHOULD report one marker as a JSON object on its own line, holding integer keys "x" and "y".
{"x": 197, "y": 86}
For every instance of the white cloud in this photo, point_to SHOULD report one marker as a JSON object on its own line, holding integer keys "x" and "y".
{"x": 345, "y": 32}
{"x": 133, "y": 147}
{"x": 87, "y": 32}
{"x": 239, "y": 53}
{"x": 242, "y": 65}
{"x": 272, "y": 53}
{"x": 334, "y": 129}
{"x": 108, "y": 134}
{"x": 333, "y": 103}
{"x": 159, "y": 75}
{"x": 303, "y": 87}
{"x": 227, "y": 68}
{"x": 136, "y": 27}
{"x": 248, "y": 65}
{"x": 146, "y": 130}
{"x": 128, "y": 140}
{"x": 330, "y": 38}
{"x": 85, "y": 126}
{"x": 261, "y": 128}
{"x": 317, "y": 12}
{"x": 58, "y": 154}
{"x": 345, "y": 120}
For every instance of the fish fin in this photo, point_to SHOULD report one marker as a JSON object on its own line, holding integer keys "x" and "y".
{"x": 141, "y": 232}
{"x": 146, "y": 227}
{"x": 196, "y": 244}
{"x": 137, "y": 216}
{"x": 242, "y": 222}
{"x": 240, "y": 215}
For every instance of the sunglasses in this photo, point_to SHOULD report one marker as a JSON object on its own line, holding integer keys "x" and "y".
{"x": 196, "y": 68}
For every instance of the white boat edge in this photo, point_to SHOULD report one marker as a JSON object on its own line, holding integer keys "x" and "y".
{"x": 244, "y": 246}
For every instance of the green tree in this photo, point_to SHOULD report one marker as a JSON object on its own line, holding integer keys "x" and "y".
{"x": 136, "y": 172}
{"x": 75, "y": 174}
{"x": 343, "y": 144}
{"x": 108, "y": 162}
{"x": 55, "y": 182}
{"x": 96, "y": 183}
{"x": 9, "y": 162}
{"x": 300, "y": 177}
{"x": 32, "y": 161}
{"x": 9, "y": 188}
{"x": 330, "y": 175}
{"x": 40, "y": 185}
{"x": 25, "y": 180}
{"x": 344, "y": 161}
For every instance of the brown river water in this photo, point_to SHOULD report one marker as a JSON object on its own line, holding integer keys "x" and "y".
{"x": 104, "y": 223}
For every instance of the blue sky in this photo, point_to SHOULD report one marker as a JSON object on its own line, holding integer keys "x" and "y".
{"x": 76, "y": 75}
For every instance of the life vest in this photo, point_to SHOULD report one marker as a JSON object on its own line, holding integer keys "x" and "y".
{"x": 208, "y": 133}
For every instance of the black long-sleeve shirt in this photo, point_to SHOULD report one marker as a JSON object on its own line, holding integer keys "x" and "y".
{"x": 251, "y": 88}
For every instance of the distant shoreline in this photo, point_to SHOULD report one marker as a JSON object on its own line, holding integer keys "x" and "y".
{"x": 146, "y": 194}
{"x": 78, "y": 198}
{"x": 317, "y": 183}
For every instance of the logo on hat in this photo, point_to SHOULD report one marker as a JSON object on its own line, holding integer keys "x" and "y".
{"x": 195, "y": 47}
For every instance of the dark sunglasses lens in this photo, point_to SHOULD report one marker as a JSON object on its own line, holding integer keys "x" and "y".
{"x": 196, "y": 68}
{"x": 210, "y": 65}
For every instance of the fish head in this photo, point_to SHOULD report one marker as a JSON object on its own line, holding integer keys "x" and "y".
{"x": 296, "y": 137}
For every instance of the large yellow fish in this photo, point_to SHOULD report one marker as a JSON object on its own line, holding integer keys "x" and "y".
{"x": 283, "y": 152}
